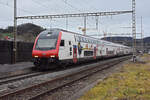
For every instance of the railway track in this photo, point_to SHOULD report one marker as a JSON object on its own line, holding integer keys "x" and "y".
{"x": 37, "y": 90}
{"x": 7, "y": 75}
{"x": 10, "y": 79}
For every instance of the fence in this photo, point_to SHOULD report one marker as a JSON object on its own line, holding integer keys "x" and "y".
{"x": 24, "y": 52}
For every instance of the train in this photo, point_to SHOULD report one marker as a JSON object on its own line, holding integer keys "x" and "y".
{"x": 58, "y": 47}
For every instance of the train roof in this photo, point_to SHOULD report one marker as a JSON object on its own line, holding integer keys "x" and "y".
{"x": 104, "y": 41}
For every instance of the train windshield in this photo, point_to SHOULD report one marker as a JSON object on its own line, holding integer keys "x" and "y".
{"x": 46, "y": 44}
{"x": 47, "y": 41}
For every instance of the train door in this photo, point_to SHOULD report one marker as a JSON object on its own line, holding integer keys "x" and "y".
{"x": 74, "y": 53}
{"x": 94, "y": 52}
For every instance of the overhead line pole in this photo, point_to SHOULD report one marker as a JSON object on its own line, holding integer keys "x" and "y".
{"x": 97, "y": 28}
{"x": 142, "y": 46}
{"x": 97, "y": 22}
{"x": 84, "y": 26}
{"x": 134, "y": 29}
{"x": 15, "y": 33}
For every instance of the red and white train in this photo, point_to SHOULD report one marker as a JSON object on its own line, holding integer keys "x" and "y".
{"x": 61, "y": 47}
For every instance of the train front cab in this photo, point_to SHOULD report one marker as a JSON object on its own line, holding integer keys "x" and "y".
{"x": 46, "y": 48}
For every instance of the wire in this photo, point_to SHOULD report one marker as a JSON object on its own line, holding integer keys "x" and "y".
{"x": 6, "y": 4}
{"x": 43, "y": 5}
{"x": 46, "y": 6}
{"x": 40, "y": 4}
{"x": 65, "y": 1}
{"x": 83, "y": 2}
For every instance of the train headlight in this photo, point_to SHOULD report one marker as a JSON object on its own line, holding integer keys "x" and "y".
{"x": 52, "y": 56}
{"x": 36, "y": 56}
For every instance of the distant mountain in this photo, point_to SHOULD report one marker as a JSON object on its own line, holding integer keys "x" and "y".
{"x": 147, "y": 40}
{"x": 125, "y": 39}
{"x": 27, "y": 28}
{"x": 118, "y": 38}
{"x": 25, "y": 32}
{"x": 128, "y": 42}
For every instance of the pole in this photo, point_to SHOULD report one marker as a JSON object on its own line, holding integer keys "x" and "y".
{"x": 97, "y": 22}
{"x": 50, "y": 23}
{"x": 84, "y": 26}
{"x": 142, "y": 48}
{"x": 15, "y": 33}
{"x": 134, "y": 29}
{"x": 97, "y": 17}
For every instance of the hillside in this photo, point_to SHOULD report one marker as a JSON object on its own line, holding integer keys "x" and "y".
{"x": 26, "y": 32}
{"x": 128, "y": 41}
{"x": 29, "y": 28}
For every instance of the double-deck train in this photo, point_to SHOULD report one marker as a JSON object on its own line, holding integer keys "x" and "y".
{"x": 56, "y": 47}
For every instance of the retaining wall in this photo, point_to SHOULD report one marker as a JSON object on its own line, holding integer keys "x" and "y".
{"x": 24, "y": 52}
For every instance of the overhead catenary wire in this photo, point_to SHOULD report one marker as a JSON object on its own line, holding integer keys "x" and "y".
{"x": 91, "y": 7}
{"x": 40, "y": 4}
{"x": 75, "y": 15}
{"x": 10, "y": 6}
{"x": 65, "y": 1}
{"x": 75, "y": 8}
{"x": 45, "y": 6}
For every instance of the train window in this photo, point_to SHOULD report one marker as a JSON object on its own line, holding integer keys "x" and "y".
{"x": 70, "y": 48}
{"x": 83, "y": 39}
{"x": 69, "y": 42}
{"x": 79, "y": 39}
{"x": 75, "y": 38}
{"x": 100, "y": 52}
{"x": 49, "y": 32}
{"x": 62, "y": 43}
{"x": 86, "y": 40}
{"x": 88, "y": 53}
{"x": 89, "y": 40}
{"x": 70, "y": 53}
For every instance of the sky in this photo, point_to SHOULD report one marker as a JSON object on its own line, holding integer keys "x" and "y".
{"x": 107, "y": 24}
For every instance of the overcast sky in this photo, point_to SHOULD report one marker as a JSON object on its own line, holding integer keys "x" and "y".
{"x": 107, "y": 24}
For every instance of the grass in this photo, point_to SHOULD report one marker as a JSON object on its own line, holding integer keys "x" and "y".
{"x": 8, "y": 34}
{"x": 131, "y": 83}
